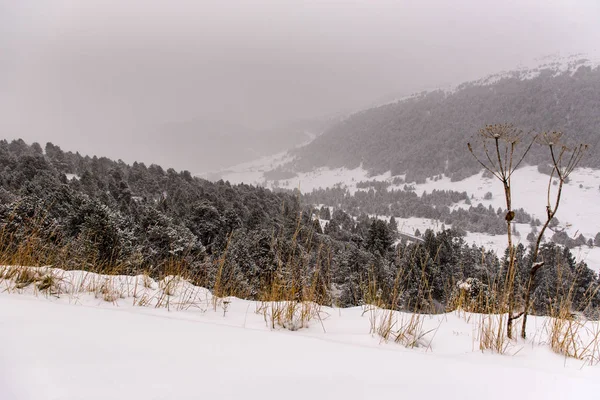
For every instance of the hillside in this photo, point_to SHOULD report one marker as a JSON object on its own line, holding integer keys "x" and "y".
{"x": 440, "y": 201}
{"x": 426, "y": 134}
{"x": 72, "y": 212}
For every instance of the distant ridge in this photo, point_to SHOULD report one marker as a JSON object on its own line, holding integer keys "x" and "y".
{"x": 425, "y": 134}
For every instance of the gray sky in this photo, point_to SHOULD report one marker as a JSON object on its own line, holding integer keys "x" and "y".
{"x": 102, "y": 76}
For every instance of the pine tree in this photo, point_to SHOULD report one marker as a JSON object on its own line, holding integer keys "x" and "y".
{"x": 379, "y": 240}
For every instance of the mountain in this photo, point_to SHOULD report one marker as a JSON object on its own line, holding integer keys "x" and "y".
{"x": 425, "y": 134}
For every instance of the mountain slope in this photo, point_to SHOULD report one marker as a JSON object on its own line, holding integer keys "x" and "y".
{"x": 426, "y": 134}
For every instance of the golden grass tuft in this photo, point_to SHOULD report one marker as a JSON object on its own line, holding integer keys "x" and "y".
{"x": 572, "y": 335}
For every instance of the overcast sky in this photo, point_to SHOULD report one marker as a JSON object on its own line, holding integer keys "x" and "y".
{"x": 98, "y": 75}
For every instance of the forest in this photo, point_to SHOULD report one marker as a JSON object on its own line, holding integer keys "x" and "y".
{"x": 89, "y": 213}
{"x": 437, "y": 205}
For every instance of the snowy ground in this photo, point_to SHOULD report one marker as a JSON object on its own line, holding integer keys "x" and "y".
{"x": 251, "y": 172}
{"x": 79, "y": 346}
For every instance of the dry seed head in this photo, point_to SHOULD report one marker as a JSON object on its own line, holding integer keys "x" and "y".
{"x": 550, "y": 138}
{"x": 505, "y": 132}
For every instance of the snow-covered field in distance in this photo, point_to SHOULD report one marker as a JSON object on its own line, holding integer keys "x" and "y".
{"x": 578, "y": 212}
{"x": 79, "y": 346}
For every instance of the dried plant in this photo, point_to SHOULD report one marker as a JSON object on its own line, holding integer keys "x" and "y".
{"x": 564, "y": 162}
{"x": 502, "y": 157}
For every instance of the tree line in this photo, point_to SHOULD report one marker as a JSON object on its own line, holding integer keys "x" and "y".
{"x": 79, "y": 212}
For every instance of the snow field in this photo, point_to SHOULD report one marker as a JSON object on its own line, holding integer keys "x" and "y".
{"x": 81, "y": 345}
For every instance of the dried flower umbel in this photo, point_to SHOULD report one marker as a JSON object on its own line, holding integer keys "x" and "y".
{"x": 502, "y": 157}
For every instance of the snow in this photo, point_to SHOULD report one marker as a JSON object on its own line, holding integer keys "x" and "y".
{"x": 251, "y": 172}
{"x": 79, "y": 346}
{"x": 529, "y": 69}
{"x": 578, "y": 212}
{"x": 557, "y": 64}
{"x": 326, "y": 177}
{"x": 591, "y": 256}
{"x": 306, "y": 182}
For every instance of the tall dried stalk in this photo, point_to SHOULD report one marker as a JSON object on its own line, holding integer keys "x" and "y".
{"x": 501, "y": 161}
{"x": 564, "y": 161}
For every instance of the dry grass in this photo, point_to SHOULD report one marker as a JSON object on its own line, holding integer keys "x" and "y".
{"x": 403, "y": 328}
{"x": 572, "y": 335}
{"x": 289, "y": 305}
{"x": 286, "y": 299}
{"x": 569, "y": 333}
{"x": 491, "y": 333}
{"x": 488, "y": 316}
{"x": 391, "y": 325}
{"x": 291, "y": 315}
{"x": 48, "y": 283}
{"x": 491, "y": 322}
{"x": 483, "y": 306}
{"x": 170, "y": 292}
{"x": 41, "y": 280}
{"x": 108, "y": 292}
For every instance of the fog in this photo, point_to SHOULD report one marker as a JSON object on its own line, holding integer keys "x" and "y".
{"x": 121, "y": 78}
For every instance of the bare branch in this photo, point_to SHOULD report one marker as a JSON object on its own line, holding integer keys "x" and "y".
{"x": 551, "y": 140}
{"x": 480, "y": 162}
{"x": 487, "y": 154}
{"x": 525, "y": 153}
